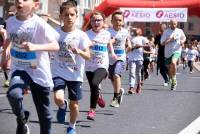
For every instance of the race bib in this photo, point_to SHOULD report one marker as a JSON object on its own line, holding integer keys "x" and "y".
{"x": 98, "y": 53}
{"x": 22, "y": 58}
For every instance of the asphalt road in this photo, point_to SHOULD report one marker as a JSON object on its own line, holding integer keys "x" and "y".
{"x": 156, "y": 110}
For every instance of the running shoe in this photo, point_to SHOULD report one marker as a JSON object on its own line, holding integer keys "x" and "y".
{"x": 131, "y": 90}
{"x": 91, "y": 115}
{"x": 22, "y": 127}
{"x": 165, "y": 84}
{"x": 71, "y": 130}
{"x": 101, "y": 102}
{"x": 62, "y": 113}
{"x": 115, "y": 102}
{"x": 6, "y": 83}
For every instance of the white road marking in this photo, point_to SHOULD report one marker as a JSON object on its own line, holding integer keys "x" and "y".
{"x": 192, "y": 128}
{"x": 2, "y": 95}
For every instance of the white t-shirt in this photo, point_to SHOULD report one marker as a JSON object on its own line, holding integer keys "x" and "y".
{"x": 36, "y": 64}
{"x": 99, "y": 50}
{"x": 66, "y": 64}
{"x": 137, "y": 54}
{"x": 192, "y": 54}
{"x": 184, "y": 52}
{"x": 174, "y": 46}
{"x": 119, "y": 45}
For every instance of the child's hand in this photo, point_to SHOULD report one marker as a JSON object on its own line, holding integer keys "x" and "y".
{"x": 113, "y": 40}
{"x": 76, "y": 50}
{"x": 28, "y": 46}
{"x": 114, "y": 56}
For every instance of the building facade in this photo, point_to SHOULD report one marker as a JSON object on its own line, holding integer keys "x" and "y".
{"x": 51, "y": 9}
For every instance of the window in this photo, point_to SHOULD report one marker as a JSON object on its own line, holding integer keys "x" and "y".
{"x": 148, "y": 32}
{"x": 182, "y": 25}
{"x": 148, "y": 24}
{"x": 190, "y": 26}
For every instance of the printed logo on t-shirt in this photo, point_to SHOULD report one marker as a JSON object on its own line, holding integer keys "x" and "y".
{"x": 65, "y": 54}
{"x": 20, "y": 56}
{"x": 98, "y": 53}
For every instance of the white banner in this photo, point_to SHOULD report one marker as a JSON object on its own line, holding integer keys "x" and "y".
{"x": 155, "y": 14}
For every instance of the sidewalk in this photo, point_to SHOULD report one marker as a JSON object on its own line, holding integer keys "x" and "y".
{"x": 197, "y": 66}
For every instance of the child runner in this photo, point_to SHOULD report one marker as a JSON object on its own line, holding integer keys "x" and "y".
{"x": 69, "y": 64}
{"x": 5, "y": 68}
{"x": 97, "y": 66}
{"x": 3, "y": 34}
{"x": 121, "y": 38}
{"x": 31, "y": 39}
{"x": 161, "y": 56}
{"x": 192, "y": 54}
{"x": 147, "y": 58}
{"x": 172, "y": 39}
{"x": 136, "y": 61}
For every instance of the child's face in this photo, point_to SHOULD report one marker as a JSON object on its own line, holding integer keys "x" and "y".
{"x": 69, "y": 17}
{"x": 97, "y": 23}
{"x": 117, "y": 21}
{"x": 25, "y": 8}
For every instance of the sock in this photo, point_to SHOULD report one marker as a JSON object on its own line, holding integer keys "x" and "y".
{"x": 5, "y": 75}
{"x": 116, "y": 95}
{"x": 63, "y": 107}
{"x": 72, "y": 125}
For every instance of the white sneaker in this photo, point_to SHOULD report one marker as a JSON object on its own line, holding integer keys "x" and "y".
{"x": 165, "y": 84}
{"x": 114, "y": 103}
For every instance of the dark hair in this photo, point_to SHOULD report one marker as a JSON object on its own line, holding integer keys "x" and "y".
{"x": 150, "y": 36}
{"x": 117, "y": 13}
{"x": 68, "y": 4}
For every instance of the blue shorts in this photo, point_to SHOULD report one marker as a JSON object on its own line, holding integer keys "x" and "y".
{"x": 117, "y": 68}
{"x": 74, "y": 88}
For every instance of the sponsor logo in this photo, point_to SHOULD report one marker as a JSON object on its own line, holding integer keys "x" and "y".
{"x": 159, "y": 13}
{"x": 126, "y": 13}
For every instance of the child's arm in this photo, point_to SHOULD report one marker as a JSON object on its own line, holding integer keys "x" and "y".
{"x": 85, "y": 53}
{"x": 128, "y": 43}
{"x": 52, "y": 46}
{"x": 5, "y": 54}
{"x": 3, "y": 33}
{"x": 136, "y": 46}
{"x": 110, "y": 46}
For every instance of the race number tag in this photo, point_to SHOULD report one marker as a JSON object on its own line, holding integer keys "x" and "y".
{"x": 22, "y": 58}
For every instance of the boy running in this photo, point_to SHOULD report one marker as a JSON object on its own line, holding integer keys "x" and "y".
{"x": 31, "y": 39}
{"x": 120, "y": 38}
{"x": 69, "y": 64}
